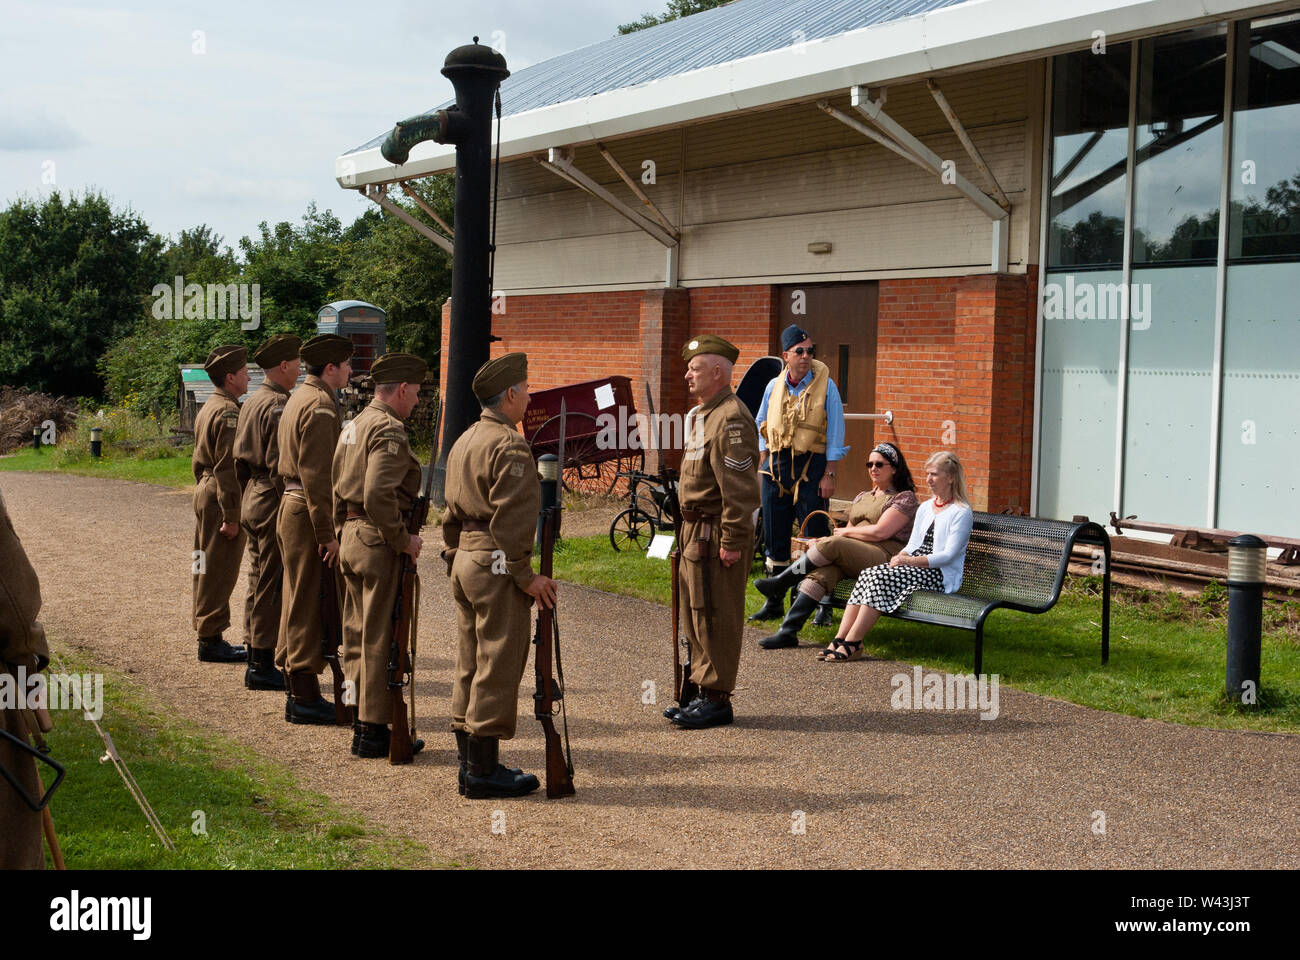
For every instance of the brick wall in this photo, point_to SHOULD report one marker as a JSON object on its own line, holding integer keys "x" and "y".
{"x": 954, "y": 359}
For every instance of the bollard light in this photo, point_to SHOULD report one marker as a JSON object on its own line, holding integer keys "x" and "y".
{"x": 1247, "y": 569}
{"x": 96, "y": 441}
{"x": 36, "y": 439}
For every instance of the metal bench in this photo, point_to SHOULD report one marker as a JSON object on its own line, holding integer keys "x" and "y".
{"x": 1014, "y": 562}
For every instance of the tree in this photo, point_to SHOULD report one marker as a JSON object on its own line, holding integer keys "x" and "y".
{"x": 676, "y": 10}
{"x": 74, "y": 277}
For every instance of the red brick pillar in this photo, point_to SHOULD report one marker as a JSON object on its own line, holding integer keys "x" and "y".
{"x": 665, "y": 319}
{"x": 993, "y": 352}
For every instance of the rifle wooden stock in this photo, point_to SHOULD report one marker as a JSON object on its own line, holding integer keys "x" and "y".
{"x": 559, "y": 771}
{"x": 684, "y": 690}
{"x": 332, "y": 638}
{"x": 400, "y": 746}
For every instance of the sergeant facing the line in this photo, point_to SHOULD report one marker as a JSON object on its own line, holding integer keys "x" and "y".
{"x": 376, "y": 479}
{"x": 218, "y": 537}
{"x": 309, "y": 431}
{"x": 256, "y": 450}
{"x": 718, "y": 493}
{"x": 493, "y": 497}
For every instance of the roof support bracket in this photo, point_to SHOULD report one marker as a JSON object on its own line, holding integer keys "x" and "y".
{"x": 635, "y": 188}
{"x": 379, "y": 194}
{"x": 559, "y": 160}
{"x": 426, "y": 207}
{"x": 968, "y": 143}
{"x": 893, "y": 136}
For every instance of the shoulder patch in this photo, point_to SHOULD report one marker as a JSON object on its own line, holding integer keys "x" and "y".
{"x": 326, "y": 410}
{"x": 231, "y": 417}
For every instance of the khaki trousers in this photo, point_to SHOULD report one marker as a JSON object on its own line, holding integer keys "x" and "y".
{"x": 370, "y": 580}
{"x": 299, "y": 645}
{"x": 493, "y": 623}
{"x": 262, "y": 609}
{"x": 848, "y": 558}
{"x": 217, "y": 568}
{"x": 20, "y": 836}
{"x": 715, "y": 657}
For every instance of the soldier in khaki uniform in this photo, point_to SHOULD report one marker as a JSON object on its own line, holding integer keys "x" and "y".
{"x": 218, "y": 537}
{"x": 22, "y": 644}
{"x": 309, "y": 431}
{"x": 376, "y": 479}
{"x": 718, "y": 493}
{"x": 256, "y": 449}
{"x": 493, "y": 498}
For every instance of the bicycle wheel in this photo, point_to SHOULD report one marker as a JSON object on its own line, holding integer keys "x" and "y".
{"x": 631, "y": 528}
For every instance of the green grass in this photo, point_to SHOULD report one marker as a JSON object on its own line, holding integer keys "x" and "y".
{"x": 256, "y": 817}
{"x": 1167, "y": 652}
{"x": 172, "y": 471}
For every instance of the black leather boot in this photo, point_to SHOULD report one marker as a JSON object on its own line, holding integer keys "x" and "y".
{"x": 216, "y": 650}
{"x": 772, "y": 609}
{"x": 261, "y": 673}
{"x": 788, "y": 633}
{"x": 825, "y": 616}
{"x": 485, "y": 777}
{"x": 462, "y": 746}
{"x": 373, "y": 740}
{"x": 712, "y": 708}
{"x": 305, "y": 704}
{"x": 773, "y": 587}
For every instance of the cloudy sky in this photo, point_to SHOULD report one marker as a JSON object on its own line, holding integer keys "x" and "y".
{"x": 232, "y": 113}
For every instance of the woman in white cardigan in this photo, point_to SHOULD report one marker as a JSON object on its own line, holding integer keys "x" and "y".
{"x": 932, "y": 560}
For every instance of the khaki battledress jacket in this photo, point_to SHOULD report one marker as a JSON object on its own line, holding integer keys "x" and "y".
{"x": 256, "y": 450}
{"x": 217, "y": 500}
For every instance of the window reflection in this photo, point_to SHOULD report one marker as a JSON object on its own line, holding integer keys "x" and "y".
{"x": 1179, "y": 147}
{"x": 1265, "y": 179}
{"x": 1089, "y": 148}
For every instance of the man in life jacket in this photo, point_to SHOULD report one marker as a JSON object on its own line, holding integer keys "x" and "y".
{"x": 801, "y": 441}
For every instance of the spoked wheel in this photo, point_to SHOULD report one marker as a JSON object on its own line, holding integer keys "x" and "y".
{"x": 632, "y": 529}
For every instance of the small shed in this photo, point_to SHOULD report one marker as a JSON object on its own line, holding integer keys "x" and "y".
{"x": 196, "y": 387}
{"x": 363, "y": 322}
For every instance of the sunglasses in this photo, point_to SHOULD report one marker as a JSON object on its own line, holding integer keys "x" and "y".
{"x": 800, "y": 351}
{"x": 877, "y": 464}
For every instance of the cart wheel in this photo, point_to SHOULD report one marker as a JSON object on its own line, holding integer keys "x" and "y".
{"x": 631, "y": 528}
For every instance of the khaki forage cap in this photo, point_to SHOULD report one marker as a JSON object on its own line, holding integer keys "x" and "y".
{"x": 398, "y": 368}
{"x": 495, "y": 375}
{"x": 276, "y": 350}
{"x": 708, "y": 343}
{"x": 326, "y": 348}
{"x": 225, "y": 359}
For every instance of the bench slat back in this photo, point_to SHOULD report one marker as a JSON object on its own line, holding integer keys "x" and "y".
{"x": 1016, "y": 559}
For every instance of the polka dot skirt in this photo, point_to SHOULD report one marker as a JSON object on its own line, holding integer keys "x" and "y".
{"x": 884, "y": 588}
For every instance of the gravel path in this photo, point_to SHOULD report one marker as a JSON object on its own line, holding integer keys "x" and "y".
{"x": 878, "y": 787}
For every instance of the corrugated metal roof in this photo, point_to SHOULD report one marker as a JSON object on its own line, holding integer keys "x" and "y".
{"x": 740, "y": 29}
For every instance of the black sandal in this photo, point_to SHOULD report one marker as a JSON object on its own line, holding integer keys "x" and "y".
{"x": 830, "y": 648}
{"x": 851, "y": 651}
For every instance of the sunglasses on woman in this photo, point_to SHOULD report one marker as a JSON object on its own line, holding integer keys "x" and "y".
{"x": 876, "y": 464}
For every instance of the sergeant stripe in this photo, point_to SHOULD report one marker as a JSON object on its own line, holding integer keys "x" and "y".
{"x": 735, "y": 464}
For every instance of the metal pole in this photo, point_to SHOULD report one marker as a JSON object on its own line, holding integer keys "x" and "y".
{"x": 476, "y": 71}
{"x": 1247, "y": 559}
{"x": 36, "y": 439}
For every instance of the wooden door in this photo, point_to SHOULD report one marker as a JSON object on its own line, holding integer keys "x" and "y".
{"x": 841, "y": 319}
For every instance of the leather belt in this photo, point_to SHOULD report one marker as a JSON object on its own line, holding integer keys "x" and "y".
{"x": 354, "y": 515}
{"x": 698, "y": 516}
{"x": 474, "y": 526}
{"x": 292, "y": 485}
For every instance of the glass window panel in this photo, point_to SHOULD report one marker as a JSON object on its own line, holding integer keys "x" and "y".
{"x": 1090, "y": 95}
{"x": 1265, "y": 175}
{"x": 1179, "y": 147}
{"x": 1167, "y": 414}
{"x": 1080, "y": 376}
{"x": 1259, "y": 450}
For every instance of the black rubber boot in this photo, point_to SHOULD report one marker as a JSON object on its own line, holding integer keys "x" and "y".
{"x": 261, "y": 673}
{"x": 788, "y": 634}
{"x": 773, "y": 587}
{"x": 825, "y": 616}
{"x": 772, "y": 609}
{"x": 305, "y": 704}
{"x": 712, "y": 708}
{"x": 485, "y": 777}
{"x": 373, "y": 740}
{"x": 216, "y": 650}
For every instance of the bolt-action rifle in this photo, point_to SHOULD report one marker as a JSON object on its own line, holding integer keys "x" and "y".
{"x": 402, "y": 743}
{"x": 331, "y": 622}
{"x": 559, "y": 759}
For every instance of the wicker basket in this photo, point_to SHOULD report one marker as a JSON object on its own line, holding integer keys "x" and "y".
{"x": 799, "y": 544}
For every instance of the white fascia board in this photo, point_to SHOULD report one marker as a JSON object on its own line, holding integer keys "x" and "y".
{"x": 959, "y": 36}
